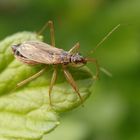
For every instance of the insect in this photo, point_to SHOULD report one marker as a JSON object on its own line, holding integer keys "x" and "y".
{"x": 37, "y": 52}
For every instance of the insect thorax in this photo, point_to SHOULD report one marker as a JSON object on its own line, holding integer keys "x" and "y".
{"x": 77, "y": 59}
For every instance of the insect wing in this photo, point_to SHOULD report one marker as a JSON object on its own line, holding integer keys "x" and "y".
{"x": 40, "y": 52}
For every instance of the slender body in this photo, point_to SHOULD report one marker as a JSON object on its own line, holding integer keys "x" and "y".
{"x": 34, "y": 52}
{"x": 37, "y": 52}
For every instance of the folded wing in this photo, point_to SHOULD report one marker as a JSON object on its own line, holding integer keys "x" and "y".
{"x": 40, "y": 52}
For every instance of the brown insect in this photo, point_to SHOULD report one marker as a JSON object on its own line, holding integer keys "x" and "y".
{"x": 37, "y": 52}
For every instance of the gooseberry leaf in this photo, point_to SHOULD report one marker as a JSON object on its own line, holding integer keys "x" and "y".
{"x": 25, "y": 112}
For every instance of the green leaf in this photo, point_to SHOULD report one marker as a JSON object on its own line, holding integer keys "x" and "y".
{"x": 25, "y": 112}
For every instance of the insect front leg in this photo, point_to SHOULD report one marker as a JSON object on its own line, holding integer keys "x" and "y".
{"x": 93, "y": 60}
{"x": 54, "y": 77}
{"x": 31, "y": 78}
{"x": 75, "y": 49}
{"x": 97, "y": 68}
{"x": 51, "y": 26}
{"x": 72, "y": 82}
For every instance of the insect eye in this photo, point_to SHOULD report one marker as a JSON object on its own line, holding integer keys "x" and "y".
{"x": 15, "y": 49}
{"x": 15, "y": 46}
{"x": 17, "y": 53}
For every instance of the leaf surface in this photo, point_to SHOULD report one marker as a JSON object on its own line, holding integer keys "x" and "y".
{"x": 25, "y": 112}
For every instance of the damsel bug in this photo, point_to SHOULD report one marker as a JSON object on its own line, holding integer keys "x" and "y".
{"x": 37, "y": 52}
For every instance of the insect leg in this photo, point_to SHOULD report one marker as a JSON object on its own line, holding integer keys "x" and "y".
{"x": 50, "y": 25}
{"x": 72, "y": 82}
{"x": 31, "y": 78}
{"x": 75, "y": 48}
{"x": 54, "y": 77}
{"x": 93, "y": 60}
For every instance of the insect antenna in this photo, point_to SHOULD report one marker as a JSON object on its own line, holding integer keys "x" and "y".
{"x": 114, "y": 29}
{"x": 105, "y": 71}
{"x": 98, "y": 68}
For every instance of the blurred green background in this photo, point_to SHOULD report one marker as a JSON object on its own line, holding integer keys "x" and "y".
{"x": 113, "y": 110}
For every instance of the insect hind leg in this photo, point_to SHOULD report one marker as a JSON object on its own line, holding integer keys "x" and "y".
{"x": 30, "y": 78}
{"x": 75, "y": 48}
{"x": 51, "y": 26}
